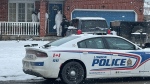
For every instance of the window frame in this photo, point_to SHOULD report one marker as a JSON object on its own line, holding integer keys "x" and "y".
{"x": 26, "y": 2}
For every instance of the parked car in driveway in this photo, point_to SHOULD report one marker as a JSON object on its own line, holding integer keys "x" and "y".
{"x": 90, "y": 25}
{"x": 77, "y": 57}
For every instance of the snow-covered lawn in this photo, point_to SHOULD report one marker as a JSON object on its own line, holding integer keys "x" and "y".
{"x": 11, "y": 55}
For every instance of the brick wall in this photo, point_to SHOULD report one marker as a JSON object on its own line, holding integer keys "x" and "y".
{"x": 43, "y": 6}
{"x": 136, "y": 5}
{"x": 37, "y": 5}
{"x": 3, "y": 10}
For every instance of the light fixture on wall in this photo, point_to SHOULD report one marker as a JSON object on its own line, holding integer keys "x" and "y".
{"x": 68, "y": 7}
{"x": 141, "y": 9}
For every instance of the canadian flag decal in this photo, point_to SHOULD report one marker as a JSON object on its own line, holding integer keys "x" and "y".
{"x": 56, "y": 55}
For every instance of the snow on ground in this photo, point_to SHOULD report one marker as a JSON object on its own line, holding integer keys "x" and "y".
{"x": 11, "y": 55}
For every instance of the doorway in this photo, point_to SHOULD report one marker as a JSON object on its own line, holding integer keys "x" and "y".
{"x": 53, "y": 8}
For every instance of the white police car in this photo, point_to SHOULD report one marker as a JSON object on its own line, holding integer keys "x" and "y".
{"x": 76, "y": 57}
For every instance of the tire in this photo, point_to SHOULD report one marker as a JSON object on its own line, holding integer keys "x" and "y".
{"x": 72, "y": 73}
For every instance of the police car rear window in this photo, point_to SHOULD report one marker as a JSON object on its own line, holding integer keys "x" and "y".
{"x": 94, "y": 24}
{"x": 63, "y": 40}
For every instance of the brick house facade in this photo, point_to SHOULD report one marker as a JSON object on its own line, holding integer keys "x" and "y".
{"x": 4, "y": 10}
{"x": 136, "y": 5}
{"x": 70, "y": 5}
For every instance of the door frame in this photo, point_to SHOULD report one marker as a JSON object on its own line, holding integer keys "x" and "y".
{"x": 54, "y": 2}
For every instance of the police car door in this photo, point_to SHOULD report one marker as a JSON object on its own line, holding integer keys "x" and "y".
{"x": 95, "y": 57}
{"x": 124, "y": 60}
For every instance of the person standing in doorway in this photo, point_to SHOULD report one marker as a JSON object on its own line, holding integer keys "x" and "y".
{"x": 65, "y": 25}
{"x": 58, "y": 21}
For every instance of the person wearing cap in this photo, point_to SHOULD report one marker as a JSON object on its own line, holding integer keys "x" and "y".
{"x": 65, "y": 25}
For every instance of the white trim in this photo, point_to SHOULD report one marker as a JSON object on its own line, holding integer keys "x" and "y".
{"x": 17, "y": 12}
{"x": 21, "y": 1}
{"x": 26, "y": 12}
{"x": 105, "y": 10}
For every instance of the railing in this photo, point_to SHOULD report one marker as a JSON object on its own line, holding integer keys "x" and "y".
{"x": 19, "y": 28}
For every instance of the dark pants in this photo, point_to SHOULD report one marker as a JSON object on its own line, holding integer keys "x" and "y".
{"x": 64, "y": 30}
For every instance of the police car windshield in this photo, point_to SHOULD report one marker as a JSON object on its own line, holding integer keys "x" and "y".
{"x": 62, "y": 41}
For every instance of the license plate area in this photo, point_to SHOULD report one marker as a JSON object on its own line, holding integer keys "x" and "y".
{"x": 30, "y": 56}
{"x": 27, "y": 64}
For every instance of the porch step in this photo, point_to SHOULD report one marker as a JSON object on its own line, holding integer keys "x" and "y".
{"x": 25, "y": 37}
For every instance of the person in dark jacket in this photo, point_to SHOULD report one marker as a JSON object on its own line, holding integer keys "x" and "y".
{"x": 65, "y": 24}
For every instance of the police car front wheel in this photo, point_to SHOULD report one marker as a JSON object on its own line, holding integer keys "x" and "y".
{"x": 72, "y": 73}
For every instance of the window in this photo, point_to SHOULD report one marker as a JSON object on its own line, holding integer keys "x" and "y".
{"x": 20, "y": 11}
{"x": 94, "y": 43}
{"x": 94, "y": 24}
{"x": 12, "y": 12}
{"x": 30, "y": 8}
{"x": 119, "y": 44}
